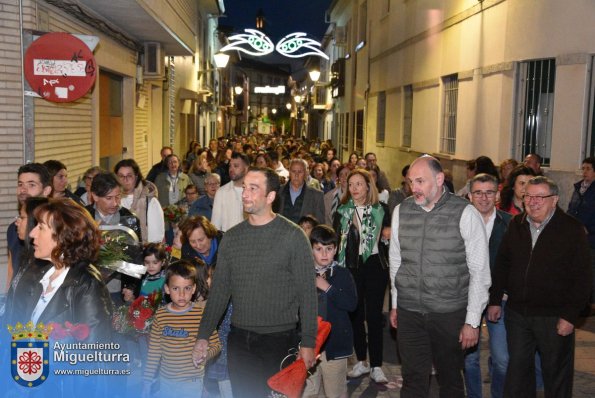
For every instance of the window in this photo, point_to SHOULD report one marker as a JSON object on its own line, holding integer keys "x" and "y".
{"x": 407, "y": 115}
{"x": 381, "y": 117}
{"x": 345, "y": 129}
{"x": 591, "y": 131}
{"x": 536, "y": 99}
{"x": 359, "y": 130}
{"x": 448, "y": 135}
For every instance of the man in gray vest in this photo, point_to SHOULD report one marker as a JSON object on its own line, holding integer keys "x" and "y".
{"x": 440, "y": 276}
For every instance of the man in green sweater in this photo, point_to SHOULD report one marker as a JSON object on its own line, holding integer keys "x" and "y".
{"x": 265, "y": 266}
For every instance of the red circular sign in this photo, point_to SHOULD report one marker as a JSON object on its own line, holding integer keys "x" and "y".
{"x": 60, "y": 67}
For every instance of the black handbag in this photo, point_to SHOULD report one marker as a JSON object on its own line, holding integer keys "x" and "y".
{"x": 352, "y": 257}
{"x": 383, "y": 254}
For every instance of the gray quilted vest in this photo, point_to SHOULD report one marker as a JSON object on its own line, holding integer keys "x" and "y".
{"x": 433, "y": 276}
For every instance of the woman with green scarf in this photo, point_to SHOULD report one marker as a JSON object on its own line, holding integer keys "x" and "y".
{"x": 363, "y": 224}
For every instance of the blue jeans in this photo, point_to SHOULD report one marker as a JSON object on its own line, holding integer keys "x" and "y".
{"x": 473, "y": 381}
{"x": 499, "y": 354}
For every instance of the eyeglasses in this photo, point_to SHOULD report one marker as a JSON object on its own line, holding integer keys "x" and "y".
{"x": 536, "y": 198}
{"x": 487, "y": 194}
{"x": 126, "y": 177}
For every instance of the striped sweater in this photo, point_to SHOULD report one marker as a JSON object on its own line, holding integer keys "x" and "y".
{"x": 172, "y": 339}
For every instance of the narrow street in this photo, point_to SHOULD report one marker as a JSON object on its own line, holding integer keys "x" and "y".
{"x": 584, "y": 375}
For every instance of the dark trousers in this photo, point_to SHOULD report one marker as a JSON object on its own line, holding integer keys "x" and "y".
{"x": 252, "y": 358}
{"x": 371, "y": 280}
{"x": 429, "y": 338}
{"x": 525, "y": 335}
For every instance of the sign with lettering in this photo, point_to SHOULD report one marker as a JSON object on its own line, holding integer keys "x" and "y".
{"x": 269, "y": 90}
{"x": 60, "y": 67}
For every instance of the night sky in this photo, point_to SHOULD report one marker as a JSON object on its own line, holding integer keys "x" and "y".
{"x": 282, "y": 16}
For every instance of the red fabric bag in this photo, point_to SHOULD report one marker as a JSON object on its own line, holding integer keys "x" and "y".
{"x": 290, "y": 380}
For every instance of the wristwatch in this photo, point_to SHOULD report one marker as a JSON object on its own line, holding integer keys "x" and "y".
{"x": 474, "y": 327}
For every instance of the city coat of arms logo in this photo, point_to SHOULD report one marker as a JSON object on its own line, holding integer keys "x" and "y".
{"x": 30, "y": 353}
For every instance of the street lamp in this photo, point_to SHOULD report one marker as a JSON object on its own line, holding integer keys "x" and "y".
{"x": 238, "y": 89}
{"x": 288, "y": 106}
{"x": 297, "y": 98}
{"x": 314, "y": 75}
{"x": 221, "y": 60}
{"x": 274, "y": 111}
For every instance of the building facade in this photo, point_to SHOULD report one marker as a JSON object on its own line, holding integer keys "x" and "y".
{"x": 146, "y": 93}
{"x": 462, "y": 78}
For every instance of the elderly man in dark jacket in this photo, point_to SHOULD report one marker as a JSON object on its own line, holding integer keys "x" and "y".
{"x": 544, "y": 266}
{"x": 296, "y": 198}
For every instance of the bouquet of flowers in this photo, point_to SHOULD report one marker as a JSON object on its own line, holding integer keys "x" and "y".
{"x": 174, "y": 214}
{"x": 76, "y": 331}
{"x": 138, "y": 317}
{"x": 113, "y": 249}
{"x": 114, "y": 254}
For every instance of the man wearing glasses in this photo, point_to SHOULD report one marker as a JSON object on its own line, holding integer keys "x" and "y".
{"x": 203, "y": 206}
{"x": 544, "y": 266}
{"x": 483, "y": 193}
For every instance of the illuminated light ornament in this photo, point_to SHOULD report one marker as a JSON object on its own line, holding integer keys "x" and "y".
{"x": 260, "y": 44}
{"x": 256, "y": 43}
{"x": 290, "y": 44}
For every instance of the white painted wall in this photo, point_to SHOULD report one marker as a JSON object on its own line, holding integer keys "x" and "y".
{"x": 418, "y": 42}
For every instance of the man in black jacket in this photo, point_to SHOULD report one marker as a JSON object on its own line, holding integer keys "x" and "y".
{"x": 296, "y": 198}
{"x": 544, "y": 266}
{"x": 582, "y": 207}
{"x": 161, "y": 166}
{"x": 483, "y": 193}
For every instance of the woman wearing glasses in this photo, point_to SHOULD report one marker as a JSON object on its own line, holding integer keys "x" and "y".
{"x": 140, "y": 197}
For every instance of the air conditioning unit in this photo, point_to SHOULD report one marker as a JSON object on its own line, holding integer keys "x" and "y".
{"x": 153, "y": 60}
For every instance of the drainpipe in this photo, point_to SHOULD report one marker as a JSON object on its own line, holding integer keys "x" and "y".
{"x": 24, "y": 158}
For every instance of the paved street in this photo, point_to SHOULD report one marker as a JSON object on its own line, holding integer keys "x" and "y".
{"x": 584, "y": 375}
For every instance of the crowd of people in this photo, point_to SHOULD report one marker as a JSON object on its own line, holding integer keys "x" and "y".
{"x": 295, "y": 233}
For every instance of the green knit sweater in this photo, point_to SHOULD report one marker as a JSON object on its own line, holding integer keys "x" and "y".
{"x": 268, "y": 271}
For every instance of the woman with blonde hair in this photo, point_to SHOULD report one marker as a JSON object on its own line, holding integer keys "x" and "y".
{"x": 363, "y": 224}
{"x": 199, "y": 171}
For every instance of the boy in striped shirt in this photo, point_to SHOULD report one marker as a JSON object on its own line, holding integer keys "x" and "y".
{"x": 174, "y": 332}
